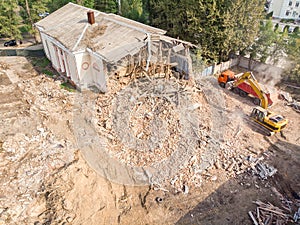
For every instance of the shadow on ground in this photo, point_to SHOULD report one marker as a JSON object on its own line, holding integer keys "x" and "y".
{"x": 232, "y": 201}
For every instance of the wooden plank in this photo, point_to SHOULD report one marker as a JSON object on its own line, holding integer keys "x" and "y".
{"x": 273, "y": 211}
{"x": 253, "y": 218}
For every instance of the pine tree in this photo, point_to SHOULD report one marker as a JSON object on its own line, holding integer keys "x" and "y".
{"x": 293, "y": 51}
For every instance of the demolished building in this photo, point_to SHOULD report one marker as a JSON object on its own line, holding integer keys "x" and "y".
{"x": 87, "y": 46}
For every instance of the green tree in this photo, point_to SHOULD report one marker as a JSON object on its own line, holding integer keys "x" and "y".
{"x": 86, "y": 3}
{"x": 269, "y": 43}
{"x": 56, "y": 4}
{"x": 218, "y": 26}
{"x": 30, "y": 10}
{"x": 166, "y": 15}
{"x": 293, "y": 51}
{"x": 9, "y": 19}
{"x": 108, "y": 6}
{"x": 241, "y": 25}
{"x": 286, "y": 28}
{"x": 133, "y": 9}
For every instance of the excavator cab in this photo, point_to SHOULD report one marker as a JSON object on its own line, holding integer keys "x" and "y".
{"x": 259, "y": 114}
{"x": 272, "y": 122}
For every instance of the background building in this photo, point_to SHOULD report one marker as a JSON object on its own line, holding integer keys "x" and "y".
{"x": 284, "y": 9}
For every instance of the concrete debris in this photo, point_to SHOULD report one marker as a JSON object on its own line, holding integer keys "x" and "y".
{"x": 214, "y": 178}
{"x": 297, "y": 215}
{"x": 264, "y": 170}
{"x": 295, "y": 105}
{"x": 290, "y": 101}
{"x": 33, "y": 147}
{"x": 149, "y": 120}
{"x": 285, "y": 96}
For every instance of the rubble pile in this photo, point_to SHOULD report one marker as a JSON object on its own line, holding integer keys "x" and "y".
{"x": 4, "y": 66}
{"x": 34, "y": 151}
{"x": 236, "y": 163}
{"x": 290, "y": 101}
{"x": 263, "y": 170}
{"x": 146, "y": 121}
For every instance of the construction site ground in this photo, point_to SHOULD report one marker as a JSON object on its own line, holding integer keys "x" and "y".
{"x": 47, "y": 178}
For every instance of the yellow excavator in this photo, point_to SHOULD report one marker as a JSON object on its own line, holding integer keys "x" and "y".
{"x": 272, "y": 122}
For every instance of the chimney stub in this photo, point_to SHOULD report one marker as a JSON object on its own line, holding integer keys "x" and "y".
{"x": 91, "y": 17}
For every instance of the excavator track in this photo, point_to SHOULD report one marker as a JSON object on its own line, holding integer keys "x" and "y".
{"x": 257, "y": 127}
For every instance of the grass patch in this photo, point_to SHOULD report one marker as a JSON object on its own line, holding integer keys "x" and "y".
{"x": 40, "y": 62}
{"x": 67, "y": 86}
{"x": 42, "y": 65}
{"x": 48, "y": 72}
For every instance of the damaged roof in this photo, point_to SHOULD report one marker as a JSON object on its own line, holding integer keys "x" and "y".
{"x": 112, "y": 37}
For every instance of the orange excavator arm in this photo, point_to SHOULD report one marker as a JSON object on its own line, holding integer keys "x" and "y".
{"x": 248, "y": 76}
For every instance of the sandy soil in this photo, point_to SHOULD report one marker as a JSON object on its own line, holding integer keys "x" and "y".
{"x": 69, "y": 191}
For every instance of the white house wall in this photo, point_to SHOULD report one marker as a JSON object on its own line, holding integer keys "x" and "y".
{"x": 90, "y": 71}
{"x": 287, "y": 9}
{"x": 99, "y": 78}
{"x": 277, "y": 8}
{"x": 53, "y": 55}
{"x": 62, "y": 60}
{"x": 85, "y": 70}
{"x": 83, "y": 67}
{"x": 44, "y": 41}
{"x": 60, "y": 55}
{"x": 73, "y": 72}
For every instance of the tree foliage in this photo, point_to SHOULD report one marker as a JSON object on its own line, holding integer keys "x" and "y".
{"x": 108, "y": 6}
{"x": 9, "y": 19}
{"x": 218, "y": 26}
{"x": 133, "y": 9}
{"x": 269, "y": 43}
{"x": 30, "y": 10}
{"x": 293, "y": 51}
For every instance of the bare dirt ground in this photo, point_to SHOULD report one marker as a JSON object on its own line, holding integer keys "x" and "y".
{"x": 46, "y": 178}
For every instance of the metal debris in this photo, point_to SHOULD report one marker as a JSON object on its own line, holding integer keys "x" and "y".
{"x": 264, "y": 170}
{"x": 297, "y": 215}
